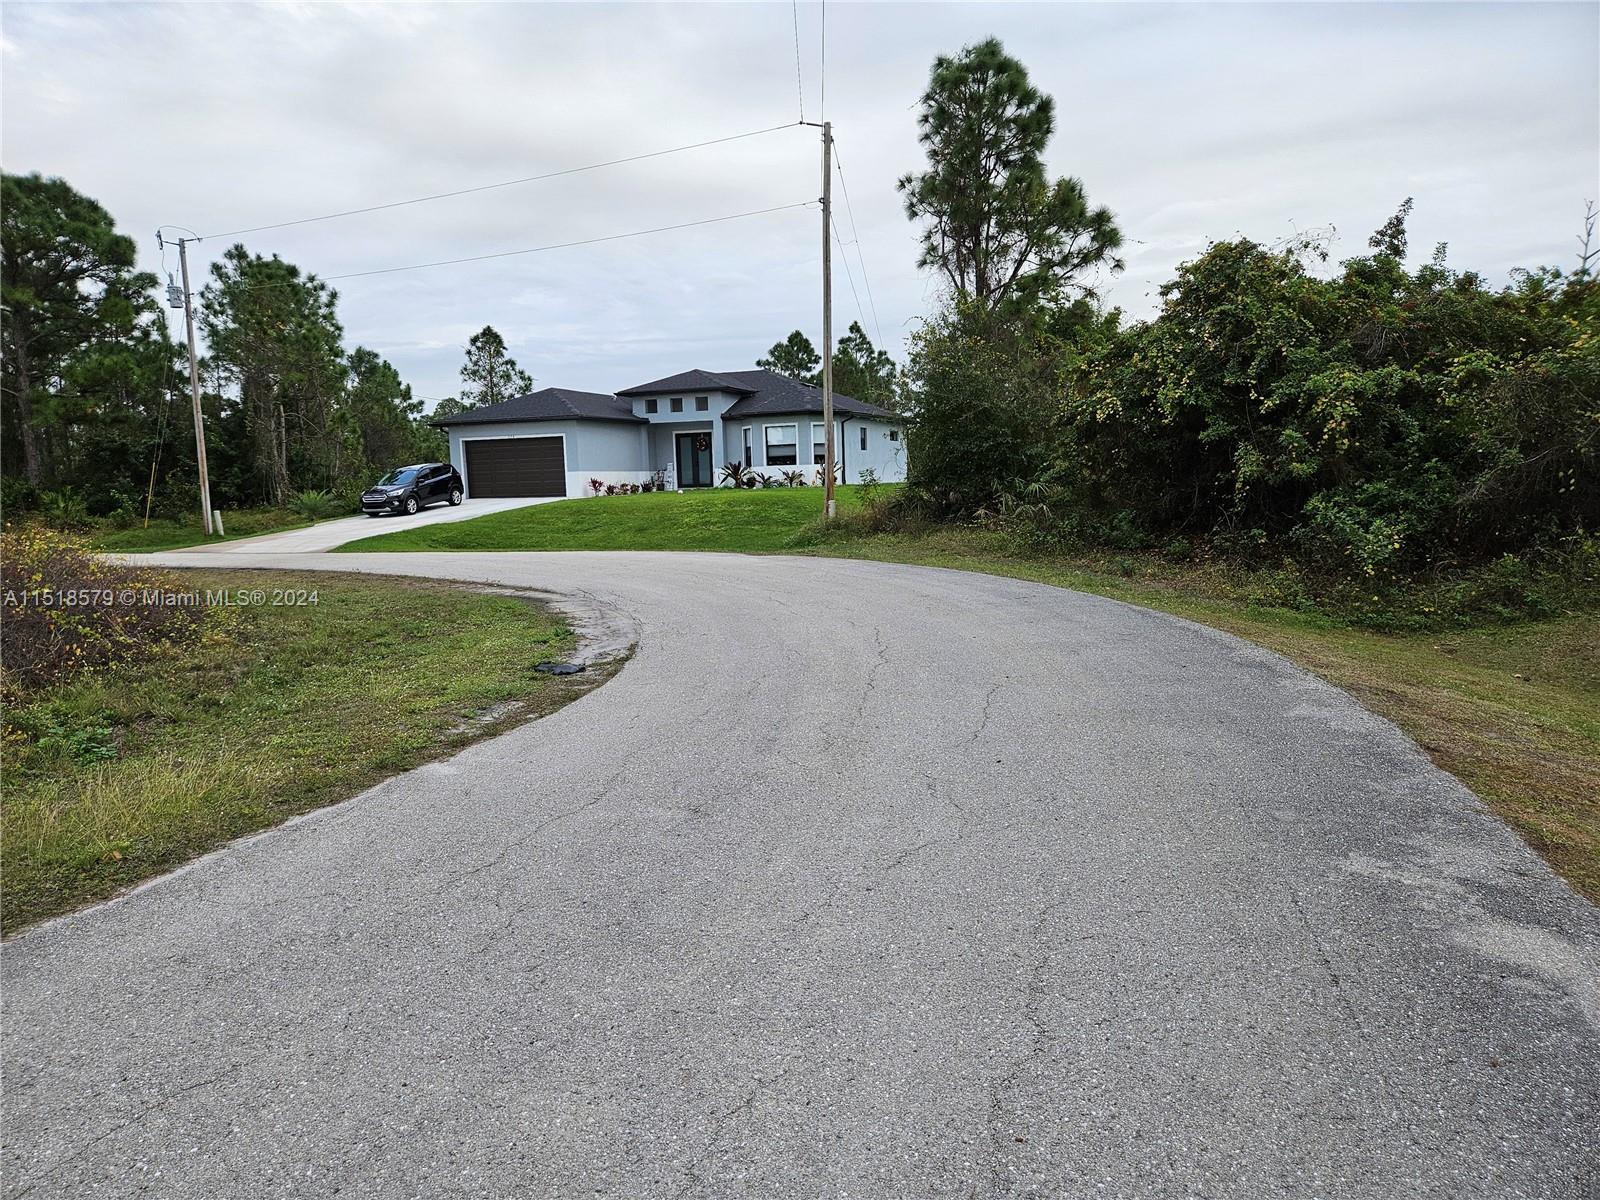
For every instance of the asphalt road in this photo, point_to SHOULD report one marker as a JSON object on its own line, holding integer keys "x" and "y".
{"x": 859, "y": 880}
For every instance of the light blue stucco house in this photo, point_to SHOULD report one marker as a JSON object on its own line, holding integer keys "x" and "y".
{"x": 686, "y": 426}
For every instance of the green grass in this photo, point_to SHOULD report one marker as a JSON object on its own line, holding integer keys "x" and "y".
{"x": 169, "y": 534}
{"x": 118, "y": 776}
{"x": 1512, "y": 710}
{"x": 763, "y": 519}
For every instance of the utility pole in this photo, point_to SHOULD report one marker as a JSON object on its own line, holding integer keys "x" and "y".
{"x": 194, "y": 388}
{"x": 828, "y": 507}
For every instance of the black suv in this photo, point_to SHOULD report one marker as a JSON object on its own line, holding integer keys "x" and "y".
{"x": 409, "y": 489}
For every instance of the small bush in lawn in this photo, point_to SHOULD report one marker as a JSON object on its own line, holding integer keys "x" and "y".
{"x": 867, "y": 485}
{"x": 67, "y": 611}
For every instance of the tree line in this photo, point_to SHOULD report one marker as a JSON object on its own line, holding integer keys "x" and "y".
{"x": 95, "y": 413}
{"x": 1368, "y": 419}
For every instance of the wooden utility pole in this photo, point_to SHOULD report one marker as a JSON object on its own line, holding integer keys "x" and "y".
{"x": 194, "y": 389}
{"x": 828, "y": 505}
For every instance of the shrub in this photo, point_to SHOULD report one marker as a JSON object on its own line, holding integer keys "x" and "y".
{"x": 64, "y": 509}
{"x": 17, "y": 496}
{"x": 736, "y": 474}
{"x": 68, "y": 611}
{"x": 867, "y": 485}
{"x": 315, "y": 504}
{"x": 596, "y": 486}
{"x": 794, "y": 479}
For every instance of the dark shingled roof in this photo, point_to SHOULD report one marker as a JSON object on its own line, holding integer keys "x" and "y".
{"x": 772, "y": 394}
{"x": 688, "y": 381}
{"x": 761, "y": 394}
{"x": 550, "y": 404}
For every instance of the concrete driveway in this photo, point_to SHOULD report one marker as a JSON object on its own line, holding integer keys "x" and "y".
{"x": 859, "y": 880}
{"x": 325, "y": 535}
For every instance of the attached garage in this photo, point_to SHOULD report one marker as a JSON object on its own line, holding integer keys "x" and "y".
{"x": 515, "y": 466}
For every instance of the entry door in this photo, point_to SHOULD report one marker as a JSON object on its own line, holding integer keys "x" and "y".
{"x": 694, "y": 460}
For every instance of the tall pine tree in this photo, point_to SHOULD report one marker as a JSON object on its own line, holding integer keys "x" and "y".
{"x": 795, "y": 357}
{"x": 995, "y": 226}
{"x": 489, "y": 375}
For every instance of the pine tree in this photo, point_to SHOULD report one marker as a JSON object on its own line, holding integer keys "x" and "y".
{"x": 999, "y": 230}
{"x": 795, "y": 357}
{"x": 862, "y": 371}
{"x": 489, "y": 375}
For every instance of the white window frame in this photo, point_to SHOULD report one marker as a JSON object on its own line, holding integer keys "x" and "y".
{"x": 816, "y": 442}
{"x": 793, "y": 441}
{"x": 749, "y": 446}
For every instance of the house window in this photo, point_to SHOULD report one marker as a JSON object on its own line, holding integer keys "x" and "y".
{"x": 749, "y": 448}
{"x": 894, "y": 435}
{"x": 863, "y": 437}
{"x": 652, "y": 406}
{"x": 781, "y": 444}
{"x": 702, "y": 403}
{"x": 677, "y": 403}
{"x": 819, "y": 448}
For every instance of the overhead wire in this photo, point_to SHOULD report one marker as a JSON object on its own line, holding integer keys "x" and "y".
{"x": 799, "y": 85}
{"x": 615, "y": 237}
{"x": 822, "y": 70}
{"x": 848, "y": 274}
{"x": 854, "y": 233}
{"x": 489, "y": 187}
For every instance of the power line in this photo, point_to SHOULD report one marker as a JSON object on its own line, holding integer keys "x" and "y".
{"x": 799, "y": 87}
{"x": 488, "y": 187}
{"x": 822, "y": 70}
{"x": 848, "y": 274}
{"x": 450, "y": 262}
{"x": 860, "y": 257}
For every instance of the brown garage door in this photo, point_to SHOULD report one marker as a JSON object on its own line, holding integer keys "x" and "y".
{"x": 525, "y": 466}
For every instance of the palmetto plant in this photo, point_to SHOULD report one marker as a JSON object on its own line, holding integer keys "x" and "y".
{"x": 736, "y": 474}
{"x": 315, "y": 503}
{"x": 794, "y": 479}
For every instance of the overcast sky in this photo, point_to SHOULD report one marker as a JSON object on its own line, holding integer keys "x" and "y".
{"x": 1190, "y": 122}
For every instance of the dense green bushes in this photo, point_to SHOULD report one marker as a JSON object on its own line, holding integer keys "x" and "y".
{"x": 1379, "y": 425}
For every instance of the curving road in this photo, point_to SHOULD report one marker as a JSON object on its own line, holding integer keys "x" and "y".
{"x": 859, "y": 880}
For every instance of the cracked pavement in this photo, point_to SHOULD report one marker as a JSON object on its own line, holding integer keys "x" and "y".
{"x": 858, "y": 880}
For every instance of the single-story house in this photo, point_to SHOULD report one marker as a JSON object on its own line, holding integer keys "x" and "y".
{"x": 686, "y": 426}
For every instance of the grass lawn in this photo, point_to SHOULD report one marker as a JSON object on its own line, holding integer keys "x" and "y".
{"x": 168, "y": 534}
{"x": 113, "y": 778}
{"x": 763, "y": 519}
{"x": 1513, "y": 711}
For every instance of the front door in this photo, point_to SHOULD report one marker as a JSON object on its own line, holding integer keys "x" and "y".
{"x": 694, "y": 460}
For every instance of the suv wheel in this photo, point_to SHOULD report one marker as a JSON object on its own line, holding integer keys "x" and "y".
{"x": 455, "y": 496}
{"x": 411, "y": 506}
